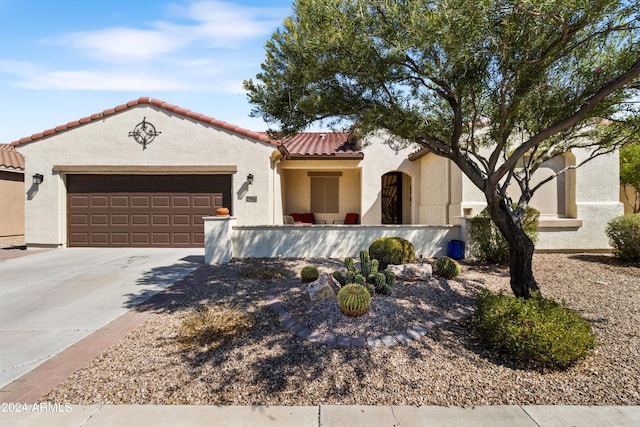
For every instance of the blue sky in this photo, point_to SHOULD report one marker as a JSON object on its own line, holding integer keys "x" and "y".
{"x": 62, "y": 60}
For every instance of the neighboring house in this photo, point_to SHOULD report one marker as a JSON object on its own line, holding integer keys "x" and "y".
{"x": 11, "y": 197}
{"x": 102, "y": 188}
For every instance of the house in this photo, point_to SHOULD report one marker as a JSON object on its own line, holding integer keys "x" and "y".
{"x": 11, "y": 197}
{"x": 145, "y": 173}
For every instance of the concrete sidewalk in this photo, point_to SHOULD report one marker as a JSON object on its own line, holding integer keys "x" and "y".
{"x": 325, "y": 416}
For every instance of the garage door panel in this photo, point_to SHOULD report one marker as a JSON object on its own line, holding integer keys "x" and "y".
{"x": 140, "y": 219}
{"x": 99, "y": 238}
{"x": 79, "y": 219}
{"x": 138, "y": 238}
{"x": 101, "y": 201}
{"x": 120, "y": 201}
{"x": 139, "y": 201}
{"x": 142, "y": 210}
{"x": 181, "y": 201}
{"x": 120, "y": 239}
{"x": 78, "y": 239}
{"x": 203, "y": 200}
{"x": 181, "y": 219}
{"x": 79, "y": 201}
{"x": 160, "y": 238}
{"x": 119, "y": 219}
{"x": 160, "y": 202}
{"x": 100, "y": 219}
{"x": 164, "y": 219}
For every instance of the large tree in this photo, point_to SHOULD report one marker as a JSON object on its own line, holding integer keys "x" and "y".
{"x": 496, "y": 86}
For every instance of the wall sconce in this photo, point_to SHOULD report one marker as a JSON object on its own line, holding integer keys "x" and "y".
{"x": 37, "y": 179}
{"x": 250, "y": 178}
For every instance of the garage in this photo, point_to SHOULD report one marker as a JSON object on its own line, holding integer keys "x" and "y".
{"x": 142, "y": 210}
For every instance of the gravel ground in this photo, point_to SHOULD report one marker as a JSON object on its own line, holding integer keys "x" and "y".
{"x": 269, "y": 366}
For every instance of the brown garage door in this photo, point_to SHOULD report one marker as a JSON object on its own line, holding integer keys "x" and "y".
{"x": 142, "y": 210}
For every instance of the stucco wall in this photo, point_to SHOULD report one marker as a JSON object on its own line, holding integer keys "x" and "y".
{"x": 592, "y": 198}
{"x": 380, "y": 159}
{"x": 333, "y": 241}
{"x": 183, "y": 142}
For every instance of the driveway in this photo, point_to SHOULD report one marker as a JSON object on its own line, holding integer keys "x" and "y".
{"x": 50, "y": 300}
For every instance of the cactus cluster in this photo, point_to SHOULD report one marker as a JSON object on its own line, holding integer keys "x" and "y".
{"x": 447, "y": 267}
{"x": 369, "y": 276}
{"x": 353, "y": 299}
{"x": 309, "y": 274}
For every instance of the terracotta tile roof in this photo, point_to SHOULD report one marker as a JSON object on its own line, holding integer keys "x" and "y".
{"x": 320, "y": 145}
{"x": 159, "y": 104}
{"x": 10, "y": 158}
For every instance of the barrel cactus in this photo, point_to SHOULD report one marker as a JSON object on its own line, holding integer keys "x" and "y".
{"x": 353, "y": 299}
{"x": 447, "y": 267}
{"x": 309, "y": 274}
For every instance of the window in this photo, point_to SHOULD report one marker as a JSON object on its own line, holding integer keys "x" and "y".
{"x": 325, "y": 192}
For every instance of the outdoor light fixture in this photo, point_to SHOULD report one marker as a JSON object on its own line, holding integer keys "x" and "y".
{"x": 37, "y": 179}
{"x": 250, "y": 178}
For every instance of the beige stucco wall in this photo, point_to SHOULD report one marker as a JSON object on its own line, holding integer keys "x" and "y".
{"x": 592, "y": 199}
{"x": 11, "y": 208}
{"x": 183, "y": 142}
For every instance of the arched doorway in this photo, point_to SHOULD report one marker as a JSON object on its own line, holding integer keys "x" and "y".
{"x": 396, "y": 190}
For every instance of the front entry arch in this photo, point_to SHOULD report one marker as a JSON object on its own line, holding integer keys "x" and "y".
{"x": 396, "y": 198}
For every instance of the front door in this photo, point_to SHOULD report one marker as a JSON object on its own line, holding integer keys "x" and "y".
{"x": 392, "y": 198}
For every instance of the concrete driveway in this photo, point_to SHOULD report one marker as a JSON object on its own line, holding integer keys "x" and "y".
{"x": 50, "y": 300}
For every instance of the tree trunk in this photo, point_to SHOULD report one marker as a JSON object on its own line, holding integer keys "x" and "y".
{"x": 520, "y": 250}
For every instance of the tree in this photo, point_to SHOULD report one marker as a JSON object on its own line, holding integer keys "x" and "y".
{"x": 630, "y": 174}
{"x": 496, "y": 86}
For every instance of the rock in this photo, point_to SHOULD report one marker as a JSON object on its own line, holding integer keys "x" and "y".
{"x": 321, "y": 288}
{"x": 412, "y": 272}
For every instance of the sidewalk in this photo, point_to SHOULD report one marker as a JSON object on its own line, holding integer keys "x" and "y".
{"x": 324, "y": 416}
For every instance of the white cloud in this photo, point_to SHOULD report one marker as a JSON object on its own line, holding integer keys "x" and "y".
{"x": 214, "y": 24}
{"x": 92, "y": 80}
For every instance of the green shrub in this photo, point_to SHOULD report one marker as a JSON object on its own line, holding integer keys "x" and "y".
{"x": 309, "y": 274}
{"x": 538, "y": 332}
{"x": 353, "y": 299}
{"x": 209, "y": 326}
{"x": 392, "y": 250}
{"x": 624, "y": 236}
{"x": 487, "y": 243}
{"x": 447, "y": 267}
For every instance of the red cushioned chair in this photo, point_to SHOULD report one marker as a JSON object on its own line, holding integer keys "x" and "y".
{"x": 349, "y": 219}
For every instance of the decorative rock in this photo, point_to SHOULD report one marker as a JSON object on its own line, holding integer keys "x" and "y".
{"x": 412, "y": 272}
{"x": 321, "y": 288}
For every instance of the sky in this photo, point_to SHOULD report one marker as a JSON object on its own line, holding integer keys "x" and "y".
{"x": 67, "y": 59}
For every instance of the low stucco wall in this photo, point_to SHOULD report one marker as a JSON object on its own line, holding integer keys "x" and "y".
{"x": 335, "y": 241}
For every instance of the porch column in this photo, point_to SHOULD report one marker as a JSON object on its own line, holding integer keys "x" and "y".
{"x": 217, "y": 239}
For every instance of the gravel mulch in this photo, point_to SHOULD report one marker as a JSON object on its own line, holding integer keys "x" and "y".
{"x": 269, "y": 366}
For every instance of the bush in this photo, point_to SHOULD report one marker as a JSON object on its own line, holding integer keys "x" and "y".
{"x": 487, "y": 243}
{"x": 209, "y": 326}
{"x": 392, "y": 250}
{"x": 624, "y": 236}
{"x": 537, "y": 332}
{"x": 309, "y": 274}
